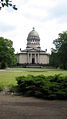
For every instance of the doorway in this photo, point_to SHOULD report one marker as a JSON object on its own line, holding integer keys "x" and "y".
{"x": 33, "y": 60}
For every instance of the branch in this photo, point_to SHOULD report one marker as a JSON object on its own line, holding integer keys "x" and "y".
{"x": 7, "y": 3}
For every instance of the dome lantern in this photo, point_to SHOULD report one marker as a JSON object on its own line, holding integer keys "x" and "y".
{"x": 33, "y": 29}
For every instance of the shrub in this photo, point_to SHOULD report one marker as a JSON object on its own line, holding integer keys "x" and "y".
{"x": 1, "y": 87}
{"x": 51, "y": 87}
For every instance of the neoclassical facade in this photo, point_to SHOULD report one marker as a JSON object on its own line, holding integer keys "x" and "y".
{"x": 32, "y": 55}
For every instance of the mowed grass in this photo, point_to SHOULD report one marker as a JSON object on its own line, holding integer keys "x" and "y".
{"x": 8, "y": 76}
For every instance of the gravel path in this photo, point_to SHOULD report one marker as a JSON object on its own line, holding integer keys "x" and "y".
{"x": 18, "y": 107}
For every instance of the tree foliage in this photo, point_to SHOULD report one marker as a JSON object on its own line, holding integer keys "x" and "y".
{"x": 7, "y": 56}
{"x": 47, "y": 87}
{"x": 53, "y": 59}
{"x": 59, "y": 54}
{"x": 7, "y": 3}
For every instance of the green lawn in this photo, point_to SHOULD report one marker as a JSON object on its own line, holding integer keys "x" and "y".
{"x": 8, "y": 76}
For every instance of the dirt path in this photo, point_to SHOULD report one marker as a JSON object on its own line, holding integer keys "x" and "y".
{"x": 17, "y": 107}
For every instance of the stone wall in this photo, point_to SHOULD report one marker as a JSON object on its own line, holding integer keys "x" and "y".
{"x": 27, "y": 58}
{"x": 44, "y": 59}
{"x": 22, "y": 58}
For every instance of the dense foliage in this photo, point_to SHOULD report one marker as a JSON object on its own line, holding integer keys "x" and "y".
{"x": 48, "y": 87}
{"x": 7, "y": 3}
{"x": 7, "y": 56}
{"x": 58, "y": 56}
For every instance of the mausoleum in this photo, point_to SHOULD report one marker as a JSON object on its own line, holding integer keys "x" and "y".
{"x": 33, "y": 55}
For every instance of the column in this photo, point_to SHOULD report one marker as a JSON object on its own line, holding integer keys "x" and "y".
{"x": 35, "y": 58}
{"x": 38, "y": 57}
{"x": 31, "y": 58}
{"x": 28, "y": 58}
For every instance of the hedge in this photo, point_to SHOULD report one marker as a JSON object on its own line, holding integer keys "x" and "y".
{"x": 47, "y": 87}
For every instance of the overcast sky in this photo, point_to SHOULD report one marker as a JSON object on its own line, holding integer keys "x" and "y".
{"x": 49, "y": 17}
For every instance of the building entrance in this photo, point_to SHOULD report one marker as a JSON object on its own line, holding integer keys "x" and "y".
{"x": 33, "y": 60}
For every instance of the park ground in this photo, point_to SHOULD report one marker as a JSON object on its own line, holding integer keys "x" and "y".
{"x": 8, "y": 76}
{"x": 19, "y": 107}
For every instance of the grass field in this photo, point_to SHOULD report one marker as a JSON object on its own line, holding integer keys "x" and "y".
{"x": 8, "y": 76}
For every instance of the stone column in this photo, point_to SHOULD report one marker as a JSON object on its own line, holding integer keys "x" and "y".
{"x": 28, "y": 58}
{"x": 31, "y": 58}
{"x": 35, "y": 58}
{"x": 38, "y": 58}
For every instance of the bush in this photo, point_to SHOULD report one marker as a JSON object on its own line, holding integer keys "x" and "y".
{"x": 50, "y": 87}
{"x": 1, "y": 87}
{"x": 3, "y": 65}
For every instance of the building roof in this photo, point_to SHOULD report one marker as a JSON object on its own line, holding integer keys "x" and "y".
{"x": 34, "y": 50}
{"x": 33, "y": 35}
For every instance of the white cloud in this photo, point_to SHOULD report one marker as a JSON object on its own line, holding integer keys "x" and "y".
{"x": 47, "y": 16}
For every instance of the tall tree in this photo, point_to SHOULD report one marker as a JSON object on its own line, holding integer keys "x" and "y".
{"x": 7, "y": 56}
{"x": 61, "y": 50}
{"x": 53, "y": 59}
{"x": 7, "y": 3}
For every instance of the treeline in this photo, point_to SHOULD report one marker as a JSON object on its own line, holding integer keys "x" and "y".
{"x": 47, "y": 87}
{"x": 7, "y": 56}
{"x": 58, "y": 57}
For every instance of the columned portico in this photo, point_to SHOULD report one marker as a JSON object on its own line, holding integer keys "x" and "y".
{"x": 33, "y": 58}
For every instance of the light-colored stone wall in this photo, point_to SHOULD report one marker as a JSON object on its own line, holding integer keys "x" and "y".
{"x": 44, "y": 59}
{"x": 22, "y": 58}
{"x": 27, "y": 58}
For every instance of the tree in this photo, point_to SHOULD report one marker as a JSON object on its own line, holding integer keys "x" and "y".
{"x": 7, "y": 3}
{"x": 7, "y": 56}
{"x": 54, "y": 59}
{"x": 61, "y": 50}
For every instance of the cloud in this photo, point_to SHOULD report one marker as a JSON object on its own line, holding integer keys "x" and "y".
{"x": 59, "y": 12}
{"x": 43, "y": 11}
{"x": 49, "y": 17}
{"x": 6, "y": 27}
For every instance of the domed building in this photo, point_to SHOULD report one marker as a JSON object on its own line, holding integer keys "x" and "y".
{"x": 33, "y": 56}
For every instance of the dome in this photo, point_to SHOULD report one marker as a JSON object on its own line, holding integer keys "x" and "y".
{"x": 33, "y": 35}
